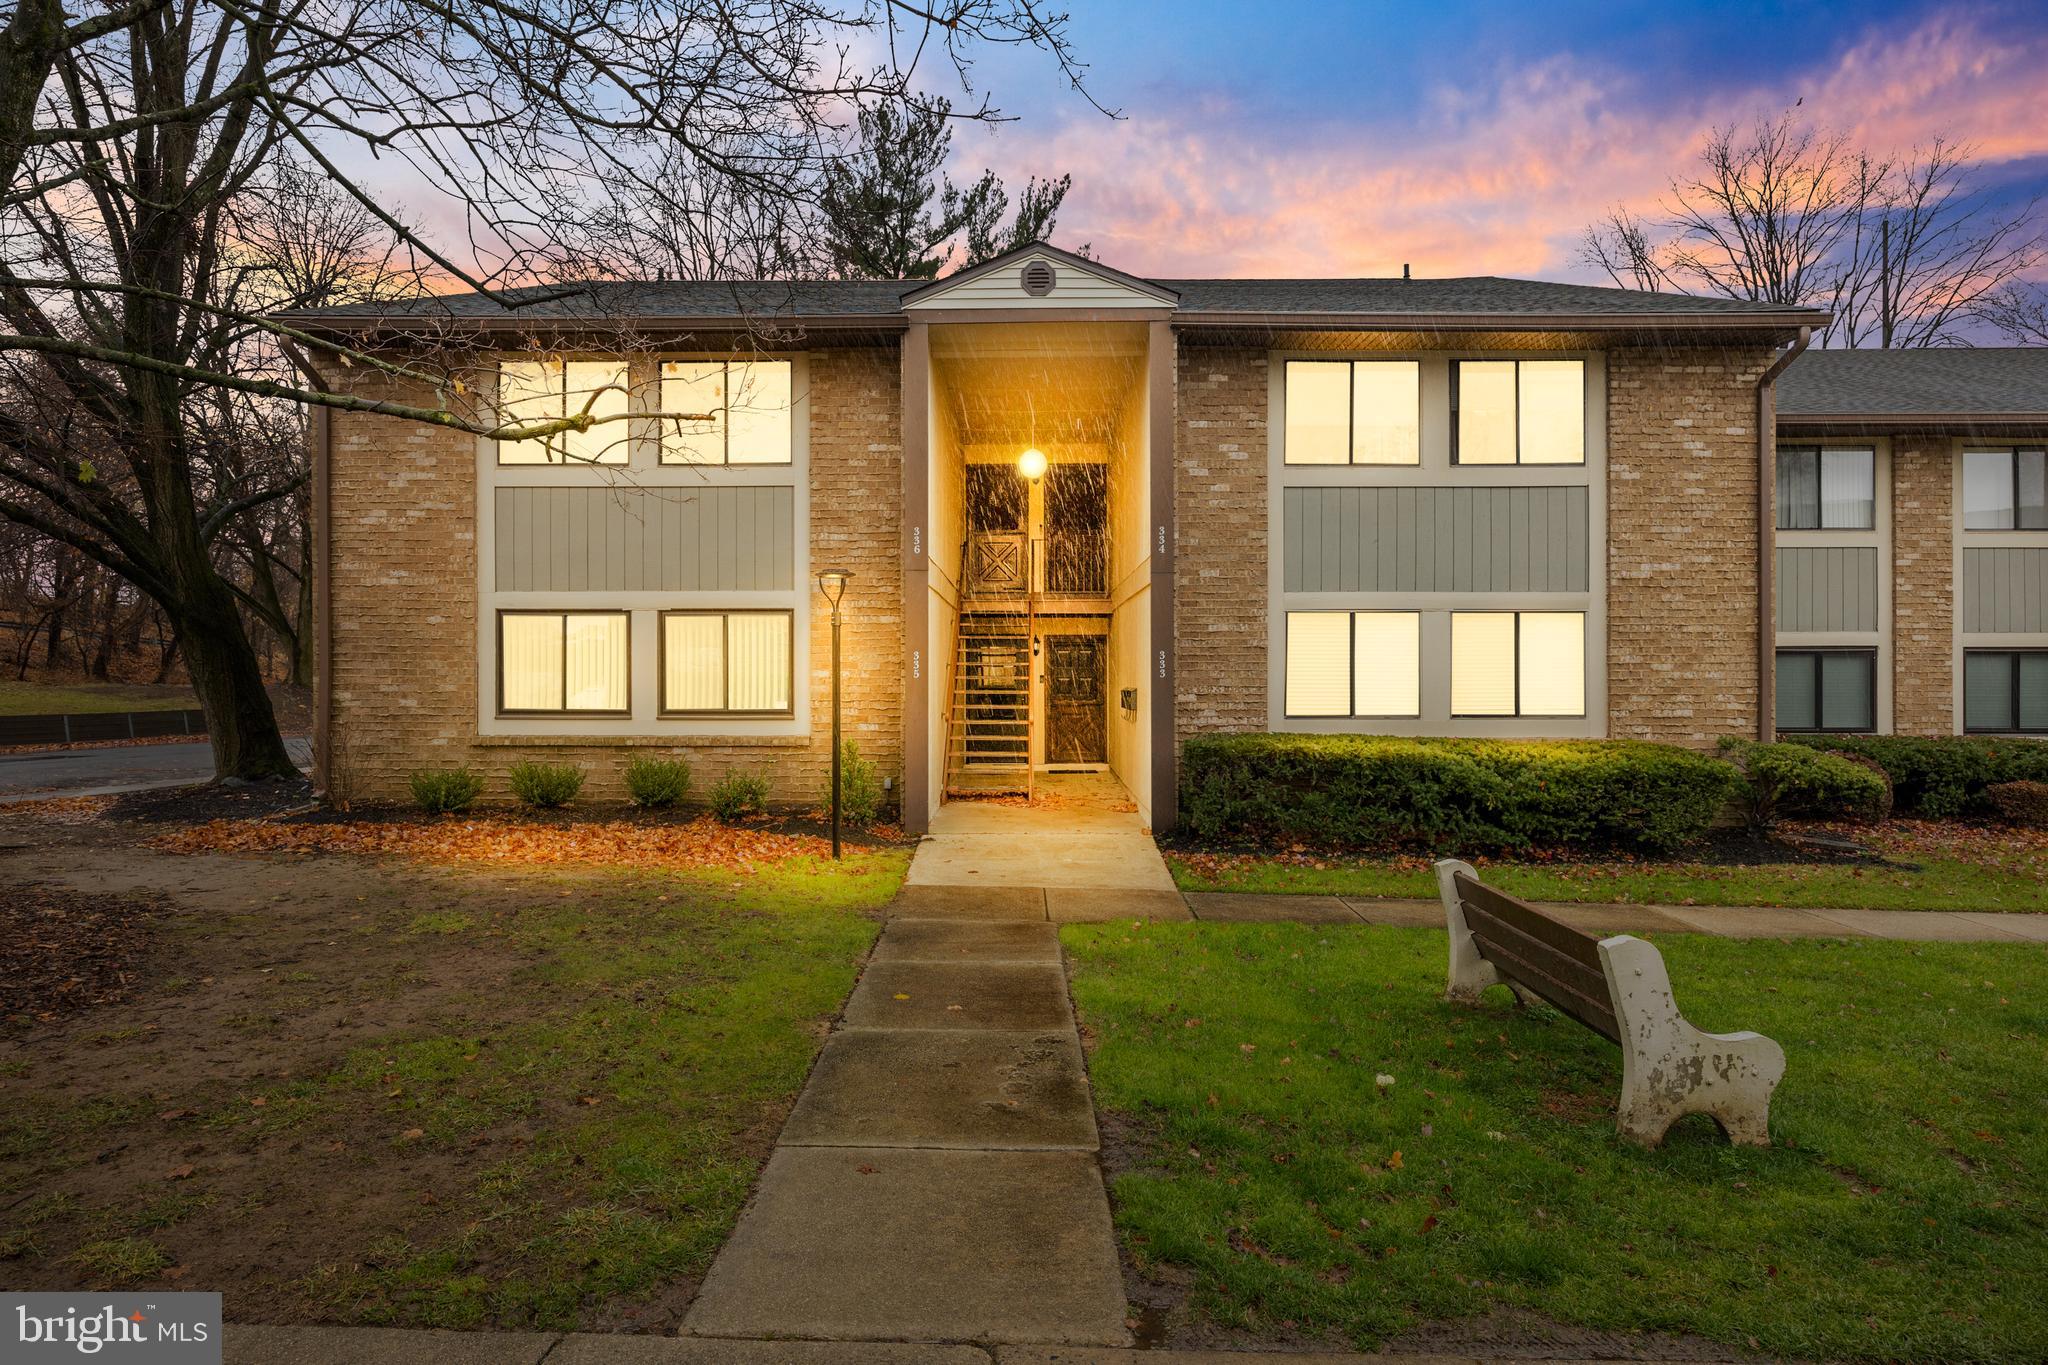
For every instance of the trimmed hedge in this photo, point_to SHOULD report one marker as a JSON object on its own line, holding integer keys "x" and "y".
{"x": 657, "y": 782}
{"x": 1786, "y": 779}
{"x": 443, "y": 791}
{"x": 545, "y": 786}
{"x": 2019, "y": 803}
{"x": 860, "y": 788}
{"x": 1450, "y": 793}
{"x": 1941, "y": 777}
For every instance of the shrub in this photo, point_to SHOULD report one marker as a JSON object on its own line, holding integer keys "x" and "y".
{"x": 1941, "y": 777}
{"x": 546, "y": 785}
{"x": 860, "y": 787}
{"x": 653, "y": 782}
{"x": 440, "y": 790}
{"x": 739, "y": 794}
{"x": 2023, "y": 803}
{"x": 1450, "y": 793}
{"x": 1786, "y": 779}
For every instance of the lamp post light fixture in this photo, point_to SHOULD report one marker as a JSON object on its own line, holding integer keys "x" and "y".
{"x": 832, "y": 583}
{"x": 1031, "y": 464}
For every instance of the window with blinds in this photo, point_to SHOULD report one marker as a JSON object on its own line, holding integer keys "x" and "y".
{"x": 730, "y": 412}
{"x": 1826, "y": 490}
{"x": 1518, "y": 412}
{"x": 1518, "y": 663}
{"x": 559, "y": 662}
{"x": 545, "y": 389}
{"x": 1354, "y": 664}
{"x": 1827, "y": 689}
{"x": 727, "y": 663}
{"x": 1353, "y": 412}
{"x": 2005, "y": 691}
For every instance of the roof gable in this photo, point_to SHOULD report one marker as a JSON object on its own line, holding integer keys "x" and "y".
{"x": 1038, "y": 277}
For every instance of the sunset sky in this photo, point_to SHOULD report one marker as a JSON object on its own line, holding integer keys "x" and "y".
{"x": 1470, "y": 138}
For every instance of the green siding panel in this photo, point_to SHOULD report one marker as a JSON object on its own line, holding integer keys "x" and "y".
{"x": 645, "y": 539}
{"x": 1414, "y": 539}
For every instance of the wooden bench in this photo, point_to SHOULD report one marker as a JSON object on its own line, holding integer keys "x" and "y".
{"x": 1618, "y": 988}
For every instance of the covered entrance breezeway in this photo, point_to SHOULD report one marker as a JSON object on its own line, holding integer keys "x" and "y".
{"x": 1041, "y": 478}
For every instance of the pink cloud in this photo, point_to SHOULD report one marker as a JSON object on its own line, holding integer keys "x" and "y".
{"x": 1500, "y": 184}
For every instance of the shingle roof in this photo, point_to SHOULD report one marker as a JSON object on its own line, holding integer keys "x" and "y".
{"x": 1953, "y": 383}
{"x": 1487, "y": 294}
{"x": 1482, "y": 295}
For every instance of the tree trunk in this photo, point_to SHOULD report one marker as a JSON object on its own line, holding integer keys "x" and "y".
{"x": 303, "y": 652}
{"x": 239, "y": 718}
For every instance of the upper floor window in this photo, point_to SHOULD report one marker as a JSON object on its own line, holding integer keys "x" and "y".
{"x": 1354, "y": 412}
{"x": 738, "y": 412}
{"x": 2005, "y": 490}
{"x": 537, "y": 390}
{"x": 1826, "y": 490}
{"x": 553, "y": 661}
{"x": 1518, "y": 411}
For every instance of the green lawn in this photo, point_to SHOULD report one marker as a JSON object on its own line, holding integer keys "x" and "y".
{"x": 76, "y": 699}
{"x": 580, "y": 1075}
{"x": 1937, "y": 868}
{"x": 1900, "y": 1213}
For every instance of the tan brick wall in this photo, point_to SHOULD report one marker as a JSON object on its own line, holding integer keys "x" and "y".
{"x": 404, "y": 603}
{"x": 1220, "y": 453}
{"x": 1923, "y": 586}
{"x": 1682, "y": 543}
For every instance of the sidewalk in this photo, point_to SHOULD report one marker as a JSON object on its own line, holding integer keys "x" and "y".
{"x": 938, "y": 1178}
{"x": 395, "y": 1346}
{"x": 1071, "y": 905}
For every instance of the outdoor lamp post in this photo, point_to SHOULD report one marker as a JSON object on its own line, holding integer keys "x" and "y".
{"x": 832, "y": 583}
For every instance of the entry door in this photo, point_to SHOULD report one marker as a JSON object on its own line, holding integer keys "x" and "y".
{"x": 1076, "y": 721}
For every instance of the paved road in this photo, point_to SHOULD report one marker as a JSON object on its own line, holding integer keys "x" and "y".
{"x": 80, "y": 770}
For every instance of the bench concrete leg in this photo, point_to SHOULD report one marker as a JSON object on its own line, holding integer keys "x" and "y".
{"x": 1469, "y": 972}
{"x": 1670, "y": 1069}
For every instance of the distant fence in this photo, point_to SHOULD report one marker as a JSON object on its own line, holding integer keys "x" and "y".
{"x": 105, "y": 725}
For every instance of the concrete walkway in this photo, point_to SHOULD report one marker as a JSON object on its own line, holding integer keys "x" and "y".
{"x": 1082, "y": 832}
{"x": 938, "y": 1179}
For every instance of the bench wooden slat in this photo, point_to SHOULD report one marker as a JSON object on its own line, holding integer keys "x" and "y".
{"x": 1575, "y": 944}
{"x": 1535, "y": 964}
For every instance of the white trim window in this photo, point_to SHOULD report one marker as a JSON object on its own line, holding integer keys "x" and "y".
{"x": 2005, "y": 490}
{"x": 1832, "y": 690}
{"x": 1822, "y": 488}
{"x": 735, "y": 663}
{"x": 743, "y": 409}
{"x": 1353, "y": 412}
{"x": 2005, "y": 691}
{"x": 1518, "y": 663}
{"x": 557, "y": 662}
{"x": 543, "y": 389}
{"x": 1529, "y": 412}
{"x": 1348, "y": 664}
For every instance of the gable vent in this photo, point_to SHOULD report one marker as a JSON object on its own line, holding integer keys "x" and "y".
{"x": 1038, "y": 278}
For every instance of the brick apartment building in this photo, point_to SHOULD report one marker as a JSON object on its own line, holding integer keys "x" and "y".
{"x": 1089, "y": 515}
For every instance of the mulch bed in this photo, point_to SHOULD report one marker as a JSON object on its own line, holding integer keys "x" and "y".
{"x": 62, "y": 950}
{"x": 654, "y": 842}
{"x": 209, "y": 801}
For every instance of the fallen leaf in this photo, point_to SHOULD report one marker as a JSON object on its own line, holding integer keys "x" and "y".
{"x": 178, "y": 1173}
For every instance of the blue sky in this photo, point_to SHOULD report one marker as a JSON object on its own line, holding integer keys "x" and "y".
{"x": 1471, "y": 138}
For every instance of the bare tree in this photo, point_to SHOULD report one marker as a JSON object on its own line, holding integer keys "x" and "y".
{"x": 2020, "y": 311}
{"x": 1928, "y": 255}
{"x": 128, "y": 135}
{"x": 1903, "y": 250}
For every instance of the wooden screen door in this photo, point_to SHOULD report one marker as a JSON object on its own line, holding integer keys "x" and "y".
{"x": 1076, "y": 722}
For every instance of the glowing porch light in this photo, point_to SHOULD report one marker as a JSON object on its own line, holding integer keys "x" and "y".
{"x": 1031, "y": 464}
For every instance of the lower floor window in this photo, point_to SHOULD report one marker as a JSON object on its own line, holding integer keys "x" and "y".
{"x": 1827, "y": 689}
{"x": 2005, "y": 690}
{"x": 731, "y": 663}
{"x": 1354, "y": 663}
{"x": 1518, "y": 663}
{"x": 553, "y": 661}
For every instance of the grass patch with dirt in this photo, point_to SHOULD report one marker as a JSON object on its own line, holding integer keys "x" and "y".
{"x": 1913, "y": 865}
{"x": 349, "y": 1091}
{"x": 19, "y": 698}
{"x": 1900, "y": 1212}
